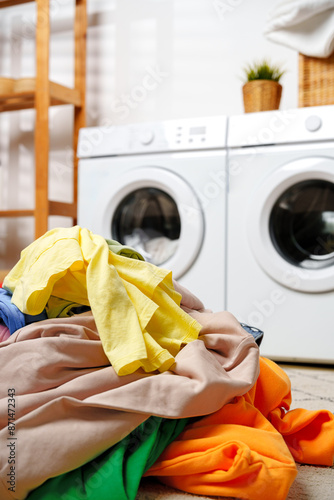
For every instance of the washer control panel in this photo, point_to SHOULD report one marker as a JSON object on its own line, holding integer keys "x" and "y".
{"x": 173, "y": 135}
{"x": 287, "y": 126}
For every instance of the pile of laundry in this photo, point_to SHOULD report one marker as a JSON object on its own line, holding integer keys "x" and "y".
{"x": 111, "y": 371}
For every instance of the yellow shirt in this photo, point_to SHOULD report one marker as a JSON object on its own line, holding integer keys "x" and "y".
{"x": 135, "y": 306}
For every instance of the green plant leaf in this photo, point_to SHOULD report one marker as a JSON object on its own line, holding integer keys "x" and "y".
{"x": 263, "y": 71}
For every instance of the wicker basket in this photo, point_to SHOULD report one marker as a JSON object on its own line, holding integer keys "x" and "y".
{"x": 316, "y": 81}
{"x": 261, "y": 95}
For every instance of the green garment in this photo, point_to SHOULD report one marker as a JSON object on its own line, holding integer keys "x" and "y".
{"x": 60, "y": 308}
{"x": 116, "y": 474}
{"x": 123, "y": 250}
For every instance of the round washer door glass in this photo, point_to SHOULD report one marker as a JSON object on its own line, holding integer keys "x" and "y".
{"x": 302, "y": 224}
{"x": 290, "y": 224}
{"x": 148, "y": 219}
{"x": 155, "y": 211}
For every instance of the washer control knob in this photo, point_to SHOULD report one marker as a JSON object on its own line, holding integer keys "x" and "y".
{"x": 313, "y": 123}
{"x": 146, "y": 137}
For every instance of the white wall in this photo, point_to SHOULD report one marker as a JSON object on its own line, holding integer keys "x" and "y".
{"x": 148, "y": 60}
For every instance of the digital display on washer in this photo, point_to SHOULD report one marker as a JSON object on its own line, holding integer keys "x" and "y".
{"x": 197, "y": 130}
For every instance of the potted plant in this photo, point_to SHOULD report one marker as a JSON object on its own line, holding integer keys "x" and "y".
{"x": 262, "y": 90}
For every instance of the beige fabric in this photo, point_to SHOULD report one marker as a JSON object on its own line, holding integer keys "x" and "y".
{"x": 71, "y": 405}
{"x": 189, "y": 301}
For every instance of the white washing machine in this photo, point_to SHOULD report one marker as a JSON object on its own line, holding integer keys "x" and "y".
{"x": 280, "y": 258}
{"x": 161, "y": 188}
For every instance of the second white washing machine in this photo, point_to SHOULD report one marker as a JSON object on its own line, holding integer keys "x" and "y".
{"x": 280, "y": 259}
{"x": 161, "y": 189}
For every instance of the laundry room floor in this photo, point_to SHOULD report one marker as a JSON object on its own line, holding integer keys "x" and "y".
{"x": 312, "y": 389}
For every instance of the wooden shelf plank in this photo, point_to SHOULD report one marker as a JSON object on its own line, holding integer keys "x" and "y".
{"x": 59, "y": 95}
{"x": 64, "y": 94}
{"x": 55, "y": 208}
{"x": 64, "y": 209}
{"x": 17, "y": 213}
{"x": 10, "y": 3}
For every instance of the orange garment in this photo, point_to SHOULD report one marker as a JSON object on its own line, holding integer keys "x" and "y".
{"x": 248, "y": 448}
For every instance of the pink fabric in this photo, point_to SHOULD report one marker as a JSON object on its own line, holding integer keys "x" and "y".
{"x": 4, "y": 332}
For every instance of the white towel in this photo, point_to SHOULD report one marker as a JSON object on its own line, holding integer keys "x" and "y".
{"x": 304, "y": 25}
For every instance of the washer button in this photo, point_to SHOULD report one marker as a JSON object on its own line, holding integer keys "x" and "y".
{"x": 313, "y": 123}
{"x": 147, "y": 137}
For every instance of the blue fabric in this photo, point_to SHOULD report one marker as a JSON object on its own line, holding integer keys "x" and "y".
{"x": 12, "y": 317}
{"x": 257, "y": 334}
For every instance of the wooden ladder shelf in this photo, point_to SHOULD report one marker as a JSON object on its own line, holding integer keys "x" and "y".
{"x": 40, "y": 93}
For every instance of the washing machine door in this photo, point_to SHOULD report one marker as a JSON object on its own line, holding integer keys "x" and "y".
{"x": 291, "y": 225}
{"x": 156, "y": 212}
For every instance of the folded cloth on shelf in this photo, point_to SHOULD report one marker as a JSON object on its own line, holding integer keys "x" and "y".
{"x": 12, "y": 317}
{"x": 304, "y": 25}
{"x": 247, "y": 449}
{"x": 134, "y": 303}
{"x": 71, "y": 406}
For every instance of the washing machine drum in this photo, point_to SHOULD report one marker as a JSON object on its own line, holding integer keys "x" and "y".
{"x": 302, "y": 224}
{"x": 291, "y": 225}
{"x": 148, "y": 219}
{"x": 155, "y": 211}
